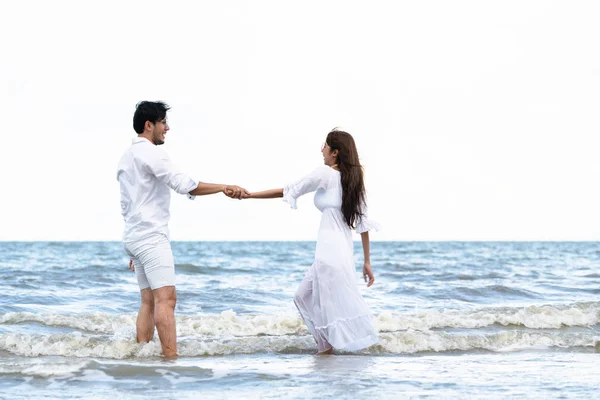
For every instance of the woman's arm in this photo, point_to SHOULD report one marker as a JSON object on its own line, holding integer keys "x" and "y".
{"x": 266, "y": 194}
{"x": 367, "y": 271}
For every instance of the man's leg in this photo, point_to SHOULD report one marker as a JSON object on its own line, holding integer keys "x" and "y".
{"x": 145, "y": 319}
{"x": 164, "y": 316}
{"x": 155, "y": 269}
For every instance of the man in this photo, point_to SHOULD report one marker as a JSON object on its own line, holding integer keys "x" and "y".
{"x": 146, "y": 175}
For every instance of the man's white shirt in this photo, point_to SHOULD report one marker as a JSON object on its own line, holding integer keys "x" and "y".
{"x": 146, "y": 175}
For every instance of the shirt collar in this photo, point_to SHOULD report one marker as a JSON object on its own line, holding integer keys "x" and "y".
{"x": 139, "y": 140}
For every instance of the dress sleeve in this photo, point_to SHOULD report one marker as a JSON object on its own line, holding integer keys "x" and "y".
{"x": 161, "y": 166}
{"x": 310, "y": 183}
{"x": 365, "y": 224}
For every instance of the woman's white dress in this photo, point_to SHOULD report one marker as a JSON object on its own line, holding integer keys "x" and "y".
{"x": 328, "y": 298}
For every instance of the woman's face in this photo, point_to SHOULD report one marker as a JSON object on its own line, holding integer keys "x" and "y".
{"x": 329, "y": 156}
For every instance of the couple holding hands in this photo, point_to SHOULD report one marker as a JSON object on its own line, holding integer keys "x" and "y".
{"x": 328, "y": 298}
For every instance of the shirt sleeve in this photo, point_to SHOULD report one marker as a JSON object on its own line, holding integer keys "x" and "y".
{"x": 310, "y": 183}
{"x": 160, "y": 165}
{"x": 365, "y": 224}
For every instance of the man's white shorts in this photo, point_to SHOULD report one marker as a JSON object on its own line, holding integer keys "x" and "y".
{"x": 153, "y": 261}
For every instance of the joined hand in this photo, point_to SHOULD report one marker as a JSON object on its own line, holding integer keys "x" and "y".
{"x": 236, "y": 192}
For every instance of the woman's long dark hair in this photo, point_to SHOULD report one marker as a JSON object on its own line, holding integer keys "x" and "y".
{"x": 353, "y": 186}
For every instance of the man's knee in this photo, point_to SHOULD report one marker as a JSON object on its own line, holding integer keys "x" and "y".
{"x": 147, "y": 297}
{"x": 165, "y": 295}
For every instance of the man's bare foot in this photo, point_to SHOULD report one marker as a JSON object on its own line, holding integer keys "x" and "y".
{"x": 170, "y": 357}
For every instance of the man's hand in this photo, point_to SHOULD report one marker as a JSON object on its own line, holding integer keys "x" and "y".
{"x": 236, "y": 192}
{"x": 368, "y": 272}
{"x": 131, "y": 267}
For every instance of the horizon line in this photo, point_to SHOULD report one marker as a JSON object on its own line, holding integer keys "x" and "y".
{"x": 314, "y": 240}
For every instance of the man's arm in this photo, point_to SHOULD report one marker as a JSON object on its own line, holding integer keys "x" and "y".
{"x": 232, "y": 191}
{"x": 160, "y": 165}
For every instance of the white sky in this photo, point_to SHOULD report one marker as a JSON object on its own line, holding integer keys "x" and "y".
{"x": 475, "y": 120}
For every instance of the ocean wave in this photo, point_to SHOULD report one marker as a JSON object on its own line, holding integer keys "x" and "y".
{"x": 534, "y": 317}
{"x": 58, "y": 368}
{"x": 96, "y": 322}
{"x": 79, "y": 345}
{"x": 430, "y": 341}
{"x": 409, "y": 342}
{"x": 503, "y": 291}
{"x": 229, "y": 323}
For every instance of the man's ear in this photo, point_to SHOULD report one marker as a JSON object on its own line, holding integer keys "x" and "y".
{"x": 148, "y": 126}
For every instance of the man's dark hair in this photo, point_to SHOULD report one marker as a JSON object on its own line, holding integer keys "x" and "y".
{"x": 152, "y": 111}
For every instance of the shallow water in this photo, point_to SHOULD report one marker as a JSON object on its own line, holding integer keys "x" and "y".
{"x": 456, "y": 320}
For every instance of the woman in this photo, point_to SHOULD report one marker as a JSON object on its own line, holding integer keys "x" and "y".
{"x": 328, "y": 298}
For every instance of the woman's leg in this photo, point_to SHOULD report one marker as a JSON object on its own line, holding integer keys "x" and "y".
{"x": 305, "y": 302}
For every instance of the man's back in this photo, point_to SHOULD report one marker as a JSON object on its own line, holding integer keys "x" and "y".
{"x": 144, "y": 199}
{"x": 145, "y": 174}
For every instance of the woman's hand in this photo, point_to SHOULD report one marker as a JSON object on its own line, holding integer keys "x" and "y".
{"x": 235, "y": 192}
{"x": 368, "y": 272}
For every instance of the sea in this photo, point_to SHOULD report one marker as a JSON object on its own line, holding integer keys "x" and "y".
{"x": 456, "y": 320}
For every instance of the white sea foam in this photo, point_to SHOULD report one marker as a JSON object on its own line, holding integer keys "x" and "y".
{"x": 96, "y": 322}
{"x": 113, "y": 336}
{"x": 228, "y": 323}
{"x": 411, "y": 341}
{"x": 43, "y": 368}
{"x": 535, "y": 317}
{"x": 432, "y": 341}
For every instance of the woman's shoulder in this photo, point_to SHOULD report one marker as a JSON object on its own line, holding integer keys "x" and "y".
{"x": 324, "y": 173}
{"x": 325, "y": 169}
